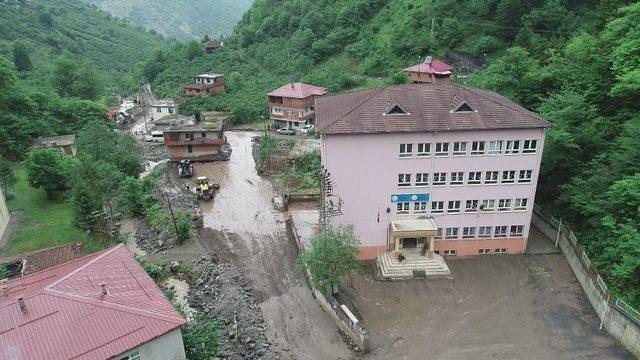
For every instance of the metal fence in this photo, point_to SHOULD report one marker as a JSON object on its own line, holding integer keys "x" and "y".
{"x": 612, "y": 300}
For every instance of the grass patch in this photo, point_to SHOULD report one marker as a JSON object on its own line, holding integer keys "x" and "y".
{"x": 44, "y": 223}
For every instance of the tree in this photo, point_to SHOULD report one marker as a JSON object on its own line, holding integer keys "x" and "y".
{"x": 64, "y": 74}
{"x": 200, "y": 336}
{"x": 86, "y": 85}
{"x": 45, "y": 19}
{"x": 7, "y": 177}
{"x": 49, "y": 170}
{"x": 21, "y": 56}
{"x": 332, "y": 255}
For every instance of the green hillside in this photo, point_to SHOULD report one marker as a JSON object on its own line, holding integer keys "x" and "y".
{"x": 49, "y": 27}
{"x": 575, "y": 62}
{"x": 184, "y": 19}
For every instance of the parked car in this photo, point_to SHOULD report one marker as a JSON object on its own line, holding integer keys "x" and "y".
{"x": 308, "y": 129}
{"x": 156, "y": 136}
{"x": 286, "y": 131}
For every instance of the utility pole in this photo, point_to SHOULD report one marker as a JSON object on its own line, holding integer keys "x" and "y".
{"x": 330, "y": 204}
{"x": 433, "y": 24}
{"x": 173, "y": 217}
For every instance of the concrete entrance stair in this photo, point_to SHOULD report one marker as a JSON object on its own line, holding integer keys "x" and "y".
{"x": 392, "y": 269}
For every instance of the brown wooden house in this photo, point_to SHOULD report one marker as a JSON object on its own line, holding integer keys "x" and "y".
{"x": 201, "y": 138}
{"x": 430, "y": 72}
{"x": 204, "y": 85}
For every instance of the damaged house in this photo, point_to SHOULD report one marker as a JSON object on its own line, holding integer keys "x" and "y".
{"x": 198, "y": 138}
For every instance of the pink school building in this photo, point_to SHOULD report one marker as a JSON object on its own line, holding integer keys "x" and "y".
{"x": 432, "y": 169}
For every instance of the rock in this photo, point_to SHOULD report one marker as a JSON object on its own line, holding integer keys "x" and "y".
{"x": 174, "y": 266}
{"x": 261, "y": 352}
{"x": 160, "y": 243}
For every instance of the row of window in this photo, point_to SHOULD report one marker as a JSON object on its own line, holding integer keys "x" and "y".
{"x": 454, "y": 206}
{"x": 472, "y": 232}
{"x": 478, "y": 148}
{"x": 473, "y": 178}
{"x": 480, "y": 252}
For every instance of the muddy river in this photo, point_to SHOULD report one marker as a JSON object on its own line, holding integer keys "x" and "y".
{"x": 242, "y": 227}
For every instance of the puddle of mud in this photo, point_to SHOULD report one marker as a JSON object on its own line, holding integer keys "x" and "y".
{"x": 244, "y": 202}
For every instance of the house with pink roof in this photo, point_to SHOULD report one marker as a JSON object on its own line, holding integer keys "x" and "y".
{"x": 293, "y": 105}
{"x": 429, "y": 72}
{"x": 425, "y": 171}
{"x": 101, "y": 306}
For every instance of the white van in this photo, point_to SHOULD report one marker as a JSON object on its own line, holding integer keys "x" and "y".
{"x": 156, "y": 136}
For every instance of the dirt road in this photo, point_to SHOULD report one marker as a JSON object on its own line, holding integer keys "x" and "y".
{"x": 241, "y": 226}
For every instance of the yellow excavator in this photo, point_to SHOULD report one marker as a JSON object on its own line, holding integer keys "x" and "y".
{"x": 205, "y": 188}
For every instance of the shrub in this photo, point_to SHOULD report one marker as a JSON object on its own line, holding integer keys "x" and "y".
{"x": 200, "y": 336}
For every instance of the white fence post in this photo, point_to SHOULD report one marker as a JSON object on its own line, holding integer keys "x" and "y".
{"x": 558, "y": 234}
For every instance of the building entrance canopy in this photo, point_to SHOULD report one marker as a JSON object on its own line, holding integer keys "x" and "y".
{"x": 413, "y": 229}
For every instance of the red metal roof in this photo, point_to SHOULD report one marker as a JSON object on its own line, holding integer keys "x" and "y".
{"x": 298, "y": 91}
{"x": 433, "y": 67}
{"x": 68, "y": 317}
{"x": 428, "y": 108}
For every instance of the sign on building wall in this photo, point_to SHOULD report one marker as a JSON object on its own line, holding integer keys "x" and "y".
{"x": 409, "y": 197}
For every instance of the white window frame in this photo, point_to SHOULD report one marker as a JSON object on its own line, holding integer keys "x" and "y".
{"x": 425, "y": 151}
{"x": 512, "y": 148}
{"x": 529, "y": 146}
{"x": 449, "y": 253}
{"x": 451, "y": 233}
{"x": 485, "y": 231}
{"x": 504, "y": 204}
{"x": 403, "y": 208}
{"x": 460, "y": 148}
{"x": 478, "y": 148}
{"x": 488, "y": 205}
{"x": 444, "y": 149}
{"x": 501, "y": 251}
{"x": 484, "y": 251}
{"x": 471, "y": 206}
{"x": 508, "y": 177}
{"x": 404, "y": 180}
{"x": 132, "y": 356}
{"x": 500, "y": 231}
{"x": 420, "y": 207}
{"x": 457, "y": 178}
{"x": 437, "y": 207}
{"x": 453, "y": 207}
{"x": 422, "y": 179}
{"x": 493, "y": 149}
{"x": 439, "y": 179}
{"x": 521, "y": 204}
{"x": 406, "y": 151}
{"x": 277, "y": 111}
{"x": 491, "y": 177}
{"x": 474, "y": 178}
{"x": 516, "y": 230}
{"x": 525, "y": 176}
{"x": 439, "y": 234}
{"x": 468, "y": 232}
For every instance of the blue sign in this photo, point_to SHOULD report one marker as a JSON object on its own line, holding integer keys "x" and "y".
{"x": 409, "y": 197}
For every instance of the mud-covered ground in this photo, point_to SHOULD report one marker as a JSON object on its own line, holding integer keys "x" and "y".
{"x": 242, "y": 227}
{"x": 498, "y": 307}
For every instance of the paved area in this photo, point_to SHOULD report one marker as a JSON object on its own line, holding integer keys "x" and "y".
{"x": 498, "y": 307}
{"x": 540, "y": 244}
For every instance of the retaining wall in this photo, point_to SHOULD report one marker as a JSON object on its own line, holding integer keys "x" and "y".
{"x": 617, "y": 318}
{"x": 330, "y": 305}
{"x": 4, "y": 214}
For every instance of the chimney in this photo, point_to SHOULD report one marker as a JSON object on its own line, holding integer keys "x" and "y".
{"x": 23, "y": 305}
{"x": 103, "y": 288}
{"x": 428, "y": 60}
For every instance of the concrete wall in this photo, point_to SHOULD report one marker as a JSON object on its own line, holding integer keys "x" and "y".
{"x": 167, "y": 347}
{"x": 620, "y": 325}
{"x": 161, "y": 111}
{"x": 365, "y": 168}
{"x": 4, "y": 214}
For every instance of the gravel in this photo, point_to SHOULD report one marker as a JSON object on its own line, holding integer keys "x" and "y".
{"x": 223, "y": 291}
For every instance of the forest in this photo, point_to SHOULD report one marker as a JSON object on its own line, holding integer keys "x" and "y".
{"x": 575, "y": 63}
{"x": 61, "y": 62}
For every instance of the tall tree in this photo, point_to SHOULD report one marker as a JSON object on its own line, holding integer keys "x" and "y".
{"x": 21, "y": 56}
{"x": 49, "y": 170}
{"x": 63, "y": 76}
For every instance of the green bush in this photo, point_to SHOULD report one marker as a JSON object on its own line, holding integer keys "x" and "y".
{"x": 200, "y": 337}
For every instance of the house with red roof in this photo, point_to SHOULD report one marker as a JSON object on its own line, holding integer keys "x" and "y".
{"x": 430, "y": 72}
{"x": 293, "y": 105}
{"x": 101, "y": 306}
